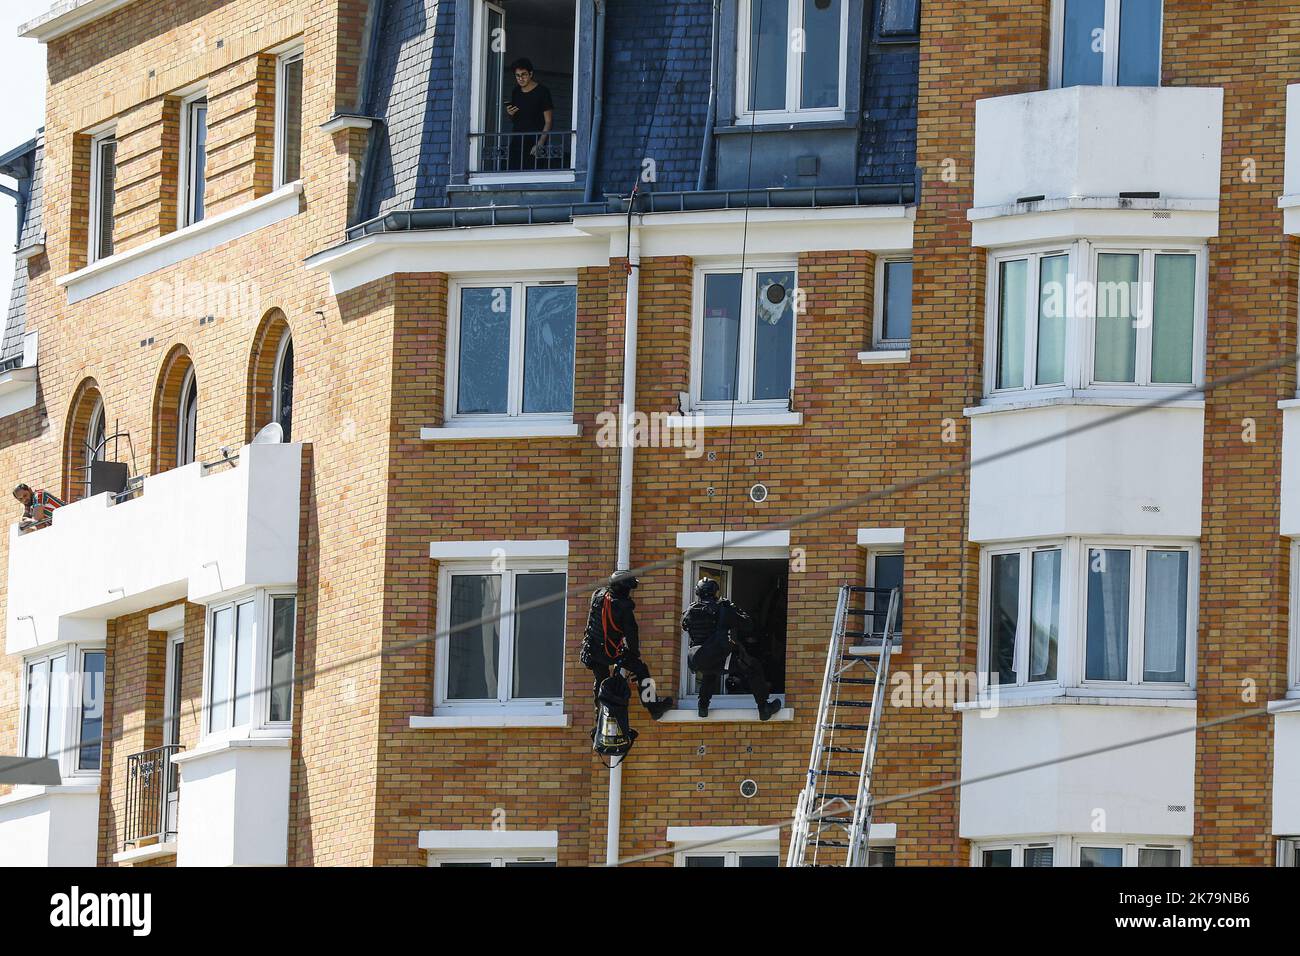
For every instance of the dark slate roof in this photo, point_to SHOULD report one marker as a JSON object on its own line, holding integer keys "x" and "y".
{"x": 26, "y": 166}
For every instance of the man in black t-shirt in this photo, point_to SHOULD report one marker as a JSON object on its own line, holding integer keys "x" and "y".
{"x": 531, "y": 110}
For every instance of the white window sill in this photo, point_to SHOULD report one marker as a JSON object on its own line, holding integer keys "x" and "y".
{"x": 1289, "y": 705}
{"x": 1064, "y": 697}
{"x": 739, "y": 420}
{"x": 1289, "y": 403}
{"x": 18, "y": 389}
{"x": 720, "y": 715}
{"x": 488, "y": 721}
{"x": 155, "y": 851}
{"x": 1003, "y": 403}
{"x": 23, "y": 793}
{"x": 183, "y": 244}
{"x": 522, "y": 177}
{"x": 885, "y": 356}
{"x": 495, "y": 432}
{"x": 210, "y": 748}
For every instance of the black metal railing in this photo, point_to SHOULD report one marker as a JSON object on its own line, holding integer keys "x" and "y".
{"x": 523, "y": 152}
{"x": 151, "y": 797}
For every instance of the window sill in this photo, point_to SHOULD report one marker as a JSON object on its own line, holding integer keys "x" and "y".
{"x": 183, "y": 244}
{"x": 501, "y": 432}
{"x": 519, "y": 178}
{"x": 1178, "y": 700}
{"x": 885, "y": 356}
{"x": 211, "y": 748}
{"x": 1288, "y": 705}
{"x": 1289, "y": 403}
{"x": 154, "y": 851}
{"x": 781, "y": 122}
{"x": 992, "y": 406}
{"x": 488, "y": 721}
{"x": 739, "y": 420}
{"x": 724, "y": 715}
{"x": 23, "y": 793}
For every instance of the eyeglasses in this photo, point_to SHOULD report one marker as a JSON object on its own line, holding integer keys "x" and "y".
{"x": 523, "y": 76}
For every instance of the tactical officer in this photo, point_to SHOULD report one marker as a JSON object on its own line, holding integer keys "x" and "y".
{"x": 611, "y": 640}
{"x": 711, "y": 625}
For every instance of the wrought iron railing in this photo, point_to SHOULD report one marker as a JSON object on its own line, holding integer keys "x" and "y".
{"x": 522, "y": 152}
{"x": 151, "y": 797}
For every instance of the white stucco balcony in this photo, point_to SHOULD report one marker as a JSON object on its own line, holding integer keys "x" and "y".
{"x": 1290, "y": 504}
{"x": 1097, "y": 160}
{"x": 50, "y": 826}
{"x": 234, "y": 799}
{"x": 1286, "y": 767}
{"x": 1290, "y": 199}
{"x": 1137, "y": 476}
{"x": 1145, "y": 789}
{"x": 194, "y": 534}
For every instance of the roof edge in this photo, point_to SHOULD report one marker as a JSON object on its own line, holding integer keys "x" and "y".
{"x": 64, "y": 16}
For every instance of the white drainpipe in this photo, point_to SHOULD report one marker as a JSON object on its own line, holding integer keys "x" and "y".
{"x": 626, "y": 450}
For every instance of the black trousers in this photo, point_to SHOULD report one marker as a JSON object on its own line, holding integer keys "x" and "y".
{"x": 600, "y": 667}
{"x": 709, "y": 660}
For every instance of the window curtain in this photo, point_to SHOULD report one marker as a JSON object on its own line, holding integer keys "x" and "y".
{"x": 1013, "y": 282}
{"x": 1165, "y": 650}
{"x": 1108, "y": 609}
{"x": 1115, "y": 356}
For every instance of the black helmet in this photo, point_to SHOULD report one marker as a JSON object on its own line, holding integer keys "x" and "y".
{"x": 706, "y": 588}
{"x": 623, "y": 581}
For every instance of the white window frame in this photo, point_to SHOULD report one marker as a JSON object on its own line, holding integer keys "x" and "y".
{"x": 478, "y": 82}
{"x": 277, "y": 378}
{"x": 97, "y": 142}
{"x": 515, "y": 392}
{"x": 1136, "y": 612}
{"x": 1060, "y": 847}
{"x": 97, "y": 418}
{"x": 1026, "y": 552}
{"x": 1293, "y": 659}
{"x": 1131, "y": 849}
{"x": 259, "y": 723}
{"x": 731, "y": 853}
{"x": 688, "y": 696}
{"x": 878, "y": 340}
{"x": 185, "y": 192}
{"x": 493, "y": 858}
{"x": 171, "y": 726}
{"x": 793, "y": 71}
{"x": 508, "y": 569}
{"x": 1110, "y": 58}
{"x": 1071, "y": 654}
{"x": 183, "y": 436}
{"x": 1067, "y": 849}
{"x": 745, "y": 350}
{"x": 294, "y": 55}
{"x": 67, "y": 750}
{"x": 1288, "y": 852}
{"x": 1080, "y": 337}
{"x": 884, "y": 550}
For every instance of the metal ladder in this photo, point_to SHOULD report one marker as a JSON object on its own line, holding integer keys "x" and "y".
{"x": 844, "y": 747}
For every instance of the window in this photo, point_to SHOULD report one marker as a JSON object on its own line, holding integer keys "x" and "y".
{"x": 497, "y": 858}
{"x": 512, "y": 350}
{"x": 882, "y": 856}
{"x": 717, "y": 858}
{"x": 1110, "y": 318}
{"x": 744, "y": 338}
{"x": 187, "y": 420}
{"x": 1097, "y": 613}
{"x": 1018, "y": 855}
{"x": 893, "y": 313}
{"x": 760, "y": 586}
{"x": 1138, "y": 609}
{"x": 1288, "y": 852}
{"x": 194, "y": 158}
{"x": 899, "y": 19}
{"x": 249, "y": 663}
{"x": 521, "y": 145}
{"x": 1130, "y": 855}
{"x": 1106, "y": 42}
{"x": 1023, "y": 602}
{"x": 494, "y": 657}
{"x": 885, "y": 570}
{"x": 1295, "y": 616}
{"x": 282, "y": 387}
{"x": 791, "y": 59}
{"x": 63, "y": 710}
{"x": 103, "y": 177}
{"x": 95, "y": 442}
{"x": 172, "y": 690}
{"x": 288, "y": 118}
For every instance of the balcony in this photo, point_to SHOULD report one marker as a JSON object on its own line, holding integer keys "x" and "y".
{"x": 1097, "y": 160}
{"x": 195, "y": 533}
{"x": 50, "y": 826}
{"x": 152, "y": 804}
{"x": 1290, "y": 199}
{"x": 1138, "y": 476}
{"x": 1146, "y": 789}
{"x": 1286, "y": 767}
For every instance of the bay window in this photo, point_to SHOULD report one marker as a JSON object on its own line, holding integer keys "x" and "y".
{"x": 1082, "y": 851}
{"x": 1112, "y": 319}
{"x": 791, "y": 59}
{"x": 1028, "y": 855}
{"x": 63, "y": 708}
{"x": 249, "y": 664}
{"x": 1106, "y": 42}
{"x": 1100, "y": 854}
{"x": 1102, "y": 614}
{"x": 505, "y": 643}
{"x": 743, "y": 350}
{"x": 511, "y": 351}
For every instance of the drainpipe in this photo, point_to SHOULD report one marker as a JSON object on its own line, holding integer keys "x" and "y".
{"x": 624, "y": 557}
{"x": 598, "y": 102}
{"x": 706, "y": 154}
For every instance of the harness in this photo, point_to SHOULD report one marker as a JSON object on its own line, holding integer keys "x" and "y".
{"x": 613, "y": 648}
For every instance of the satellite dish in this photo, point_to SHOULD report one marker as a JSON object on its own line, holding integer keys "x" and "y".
{"x": 272, "y": 434}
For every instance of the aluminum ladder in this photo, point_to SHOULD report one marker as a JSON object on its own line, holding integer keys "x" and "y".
{"x": 832, "y": 821}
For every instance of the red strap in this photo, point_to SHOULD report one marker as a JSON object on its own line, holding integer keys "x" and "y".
{"x": 612, "y": 648}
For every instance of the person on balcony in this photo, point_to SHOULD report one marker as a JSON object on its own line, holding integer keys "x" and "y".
{"x": 532, "y": 112}
{"x": 612, "y": 640}
{"x": 717, "y": 630}
{"x": 38, "y": 508}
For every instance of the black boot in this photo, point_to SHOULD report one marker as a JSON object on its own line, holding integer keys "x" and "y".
{"x": 659, "y": 707}
{"x": 768, "y": 711}
{"x": 702, "y": 708}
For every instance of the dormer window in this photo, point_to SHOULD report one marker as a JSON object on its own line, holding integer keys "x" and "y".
{"x": 1106, "y": 42}
{"x": 791, "y": 60}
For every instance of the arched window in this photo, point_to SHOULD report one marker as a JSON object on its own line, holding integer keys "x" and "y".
{"x": 83, "y": 441}
{"x": 187, "y": 420}
{"x": 282, "y": 391}
{"x": 95, "y": 450}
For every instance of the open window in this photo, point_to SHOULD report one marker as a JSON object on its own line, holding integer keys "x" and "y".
{"x": 760, "y": 586}
{"x": 1106, "y": 42}
{"x": 524, "y": 93}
